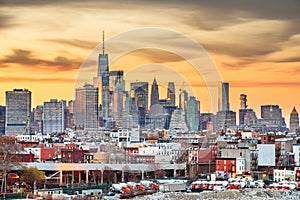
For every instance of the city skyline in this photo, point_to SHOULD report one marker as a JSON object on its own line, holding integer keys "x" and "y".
{"x": 254, "y": 46}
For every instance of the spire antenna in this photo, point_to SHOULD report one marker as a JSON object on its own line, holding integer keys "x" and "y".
{"x": 103, "y": 42}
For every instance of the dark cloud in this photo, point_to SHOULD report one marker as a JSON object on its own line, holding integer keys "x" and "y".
{"x": 157, "y": 55}
{"x": 285, "y": 60}
{"x": 31, "y": 79}
{"x": 6, "y": 21}
{"x": 28, "y": 2}
{"x": 25, "y": 57}
{"x": 76, "y": 43}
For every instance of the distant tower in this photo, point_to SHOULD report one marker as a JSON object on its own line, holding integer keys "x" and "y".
{"x": 294, "y": 120}
{"x": 171, "y": 93}
{"x": 193, "y": 114}
{"x": 243, "y": 103}
{"x": 118, "y": 103}
{"x": 223, "y": 97}
{"x": 37, "y": 119}
{"x": 183, "y": 97}
{"x": 103, "y": 75}
{"x": 271, "y": 117}
{"x": 140, "y": 92}
{"x": 18, "y": 109}
{"x": 86, "y": 107}
{"x": 154, "y": 93}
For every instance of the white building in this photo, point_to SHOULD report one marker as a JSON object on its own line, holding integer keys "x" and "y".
{"x": 282, "y": 175}
{"x": 296, "y": 151}
{"x": 240, "y": 165}
{"x": 163, "y": 152}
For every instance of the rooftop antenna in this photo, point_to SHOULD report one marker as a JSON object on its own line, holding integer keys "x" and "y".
{"x": 103, "y": 42}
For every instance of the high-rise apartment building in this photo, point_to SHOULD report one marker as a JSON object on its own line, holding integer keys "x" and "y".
{"x": 171, "y": 93}
{"x": 18, "y": 108}
{"x": 223, "y": 97}
{"x": 2, "y": 120}
{"x": 55, "y": 118}
{"x": 154, "y": 93}
{"x": 86, "y": 107}
{"x": 294, "y": 120}
{"x": 193, "y": 114}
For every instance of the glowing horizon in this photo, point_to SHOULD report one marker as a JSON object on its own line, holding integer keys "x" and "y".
{"x": 254, "y": 44}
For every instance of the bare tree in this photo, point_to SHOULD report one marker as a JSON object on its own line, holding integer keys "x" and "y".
{"x": 8, "y": 157}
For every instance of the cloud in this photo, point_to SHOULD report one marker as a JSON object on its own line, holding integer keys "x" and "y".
{"x": 76, "y": 43}
{"x": 157, "y": 55}
{"x": 6, "y": 20}
{"x": 25, "y": 57}
{"x": 257, "y": 84}
{"x": 30, "y": 79}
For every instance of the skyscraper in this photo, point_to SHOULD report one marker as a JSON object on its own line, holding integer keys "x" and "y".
{"x": 103, "y": 81}
{"x": 243, "y": 103}
{"x": 140, "y": 92}
{"x": 247, "y": 117}
{"x": 193, "y": 114}
{"x": 154, "y": 93}
{"x": 183, "y": 97}
{"x": 118, "y": 103}
{"x": 223, "y": 97}
{"x": 18, "y": 108}
{"x": 171, "y": 93}
{"x": 54, "y": 116}
{"x": 294, "y": 120}
{"x": 86, "y": 107}
{"x": 271, "y": 118}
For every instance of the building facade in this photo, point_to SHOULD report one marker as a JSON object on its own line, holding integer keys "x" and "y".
{"x": 18, "y": 108}
{"x": 86, "y": 107}
{"x": 2, "y": 120}
{"x": 225, "y": 120}
{"x": 271, "y": 118}
{"x": 55, "y": 119}
{"x": 37, "y": 119}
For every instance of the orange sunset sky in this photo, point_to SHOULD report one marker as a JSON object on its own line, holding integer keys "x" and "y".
{"x": 254, "y": 44}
